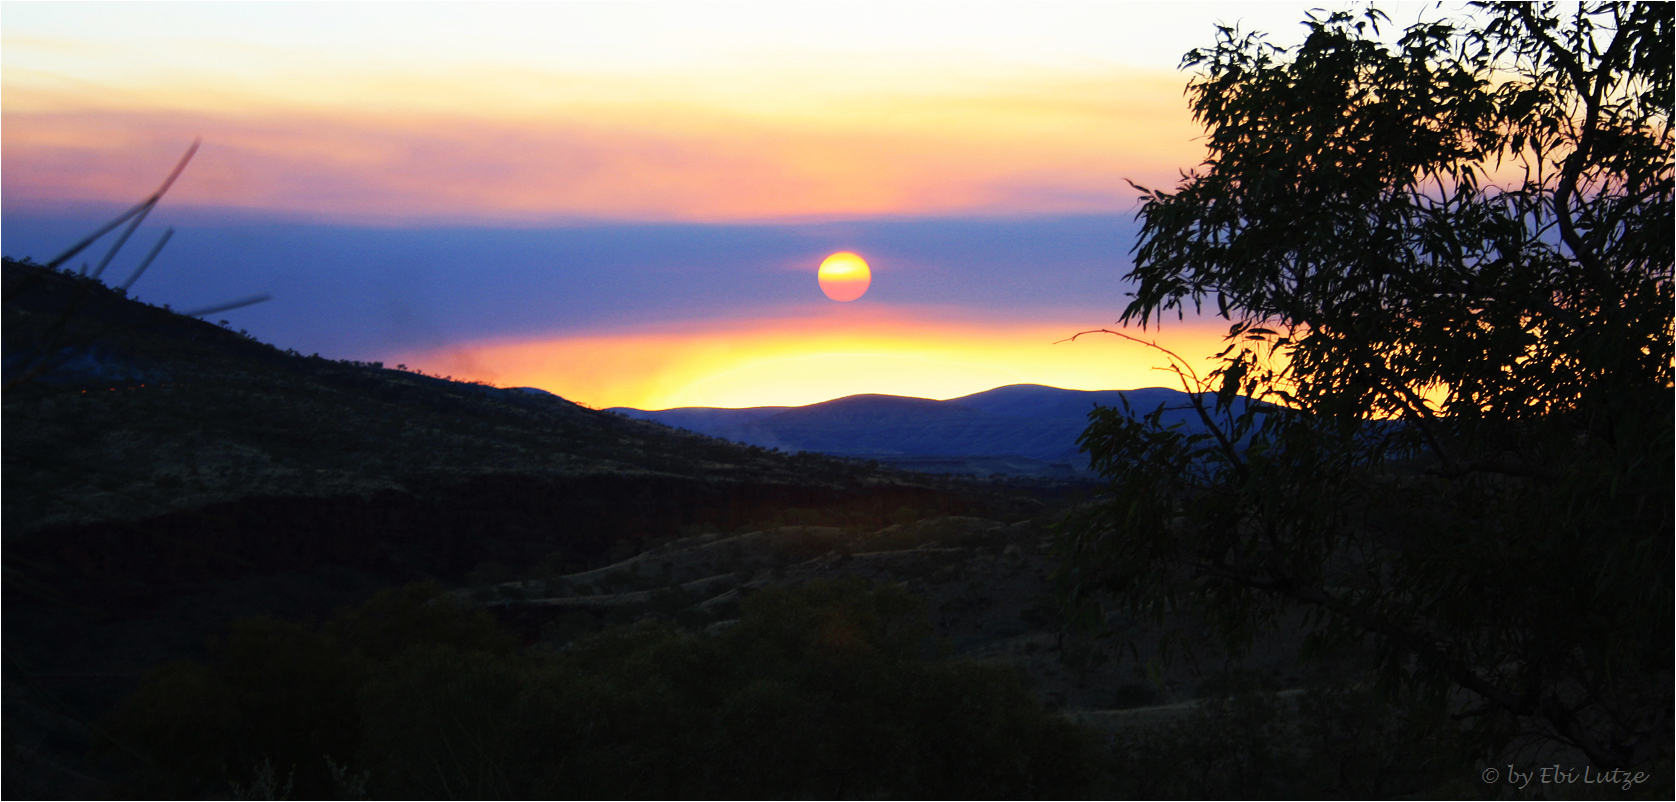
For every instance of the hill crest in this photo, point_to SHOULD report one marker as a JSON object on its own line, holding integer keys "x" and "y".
{"x": 1017, "y": 429}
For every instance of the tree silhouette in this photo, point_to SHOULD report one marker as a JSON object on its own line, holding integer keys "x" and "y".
{"x": 1447, "y": 264}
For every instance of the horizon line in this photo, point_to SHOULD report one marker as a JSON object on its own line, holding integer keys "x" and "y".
{"x": 879, "y": 395}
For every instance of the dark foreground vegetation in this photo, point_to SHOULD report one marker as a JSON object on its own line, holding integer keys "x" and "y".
{"x": 827, "y": 689}
{"x": 1440, "y": 544}
{"x": 819, "y": 691}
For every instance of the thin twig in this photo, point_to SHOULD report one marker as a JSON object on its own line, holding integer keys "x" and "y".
{"x": 141, "y": 208}
{"x": 1180, "y": 367}
{"x": 145, "y": 263}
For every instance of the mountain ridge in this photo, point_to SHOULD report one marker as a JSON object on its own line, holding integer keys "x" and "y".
{"x": 1027, "y": 429}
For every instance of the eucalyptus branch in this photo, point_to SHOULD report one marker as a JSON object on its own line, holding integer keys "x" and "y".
{"x": 1571, "y": 170}
{"x": 1422, "y": 416}
{"x": 1179, "y": 365}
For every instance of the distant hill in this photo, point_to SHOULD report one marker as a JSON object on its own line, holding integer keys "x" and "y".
{"x": 1020, "y": 429}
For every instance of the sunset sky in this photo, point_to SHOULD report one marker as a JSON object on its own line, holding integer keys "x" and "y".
{"x": 626, "y": 203}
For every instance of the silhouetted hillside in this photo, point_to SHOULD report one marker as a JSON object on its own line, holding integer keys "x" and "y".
{"x": 164, "y": 475}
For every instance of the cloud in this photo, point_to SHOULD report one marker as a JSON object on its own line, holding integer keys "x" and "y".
{"x": 509, "y": 148}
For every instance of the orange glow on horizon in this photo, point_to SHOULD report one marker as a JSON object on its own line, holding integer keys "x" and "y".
{"x": 844, "y": 276}
{"x": 809, "y": 358}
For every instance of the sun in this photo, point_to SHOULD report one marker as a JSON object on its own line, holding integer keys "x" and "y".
{"x": 845, "y": 276}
